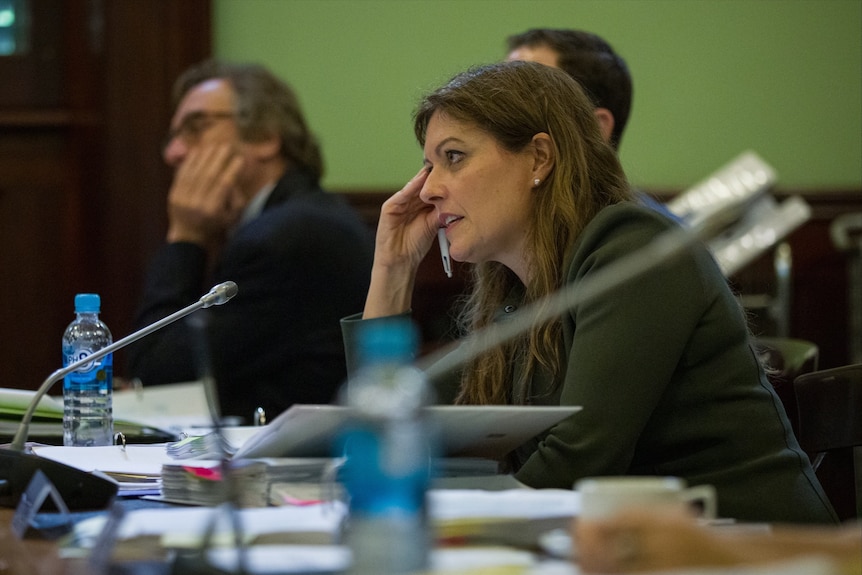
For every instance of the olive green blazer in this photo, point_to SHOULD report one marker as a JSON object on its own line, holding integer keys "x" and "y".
{"x": 668, "y": 381}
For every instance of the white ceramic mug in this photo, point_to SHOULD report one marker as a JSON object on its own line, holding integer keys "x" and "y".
{"x": 605, "y": 496}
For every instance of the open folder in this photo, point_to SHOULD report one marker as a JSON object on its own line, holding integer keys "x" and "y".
{"x": 47, "y": 423}
{"x": 486, "y": 431}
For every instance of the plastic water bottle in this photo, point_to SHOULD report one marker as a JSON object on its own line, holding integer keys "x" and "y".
{"x": 388, "y": 448}
{"x": 87, "y": 392}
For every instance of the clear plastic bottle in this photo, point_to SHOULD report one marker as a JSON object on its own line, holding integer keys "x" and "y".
{"x": 87, "y": 392}
{"x": 388, "y": 447}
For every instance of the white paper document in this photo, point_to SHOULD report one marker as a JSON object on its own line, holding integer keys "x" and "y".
{"x": 133, "y": 459}
{"x": 173, "y": 406}
{"x": 136, "y": 469}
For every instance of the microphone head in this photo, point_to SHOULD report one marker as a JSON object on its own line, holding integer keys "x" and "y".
{"x": 220, "y": 294}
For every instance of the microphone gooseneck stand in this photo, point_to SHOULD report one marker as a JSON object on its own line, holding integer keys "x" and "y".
{"x": 79, "y": 489}
{"x": 196, "y": 561}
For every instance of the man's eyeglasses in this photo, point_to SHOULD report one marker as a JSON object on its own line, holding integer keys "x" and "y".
{"x": 195, "y": 124}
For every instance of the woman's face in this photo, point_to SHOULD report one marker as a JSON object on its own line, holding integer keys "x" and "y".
{"x": 481, "y": 192}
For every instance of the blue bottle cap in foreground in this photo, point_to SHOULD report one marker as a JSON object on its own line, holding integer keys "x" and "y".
{"x": 388, "y": 340}
{"x": 87, "y": 303}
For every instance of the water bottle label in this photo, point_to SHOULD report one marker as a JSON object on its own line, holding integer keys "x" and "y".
{"x": 82, "y": 354}
{"x": 96, "y": 372}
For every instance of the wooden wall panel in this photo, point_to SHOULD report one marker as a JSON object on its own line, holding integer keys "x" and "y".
{"x": 34, "y": 249}
{"x": 152, "y": 43}
{"x": 82, "y": 186}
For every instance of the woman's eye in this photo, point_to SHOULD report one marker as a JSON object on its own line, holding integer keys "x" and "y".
{"x": 454, "y": 156}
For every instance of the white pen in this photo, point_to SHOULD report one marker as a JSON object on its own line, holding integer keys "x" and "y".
{"x": 444, "y": 251}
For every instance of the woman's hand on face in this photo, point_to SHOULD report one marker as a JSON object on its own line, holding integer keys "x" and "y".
{"x": 407, "y": 226}
{"x": 405, "y": 231}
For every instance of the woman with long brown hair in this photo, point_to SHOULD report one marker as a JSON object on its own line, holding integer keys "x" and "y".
{"x": 516, "y": 172}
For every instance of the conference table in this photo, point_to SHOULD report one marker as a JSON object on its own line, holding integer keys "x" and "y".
{"x": 502, "y": 531}
{"x": 37, "y": 553}
{"x": 34, "y": 554}
{"x": 483, "y": 524}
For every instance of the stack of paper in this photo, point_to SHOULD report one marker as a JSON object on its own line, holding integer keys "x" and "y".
{"x": 203, "y": 483}
{"x": 136, "y": 468}
{"x": 204, "y": 443}
{"x": 301, "y": 481}
{"x": 259, "y": 482}
{"x": 207, "y": 446}
{"x": 517, "y": 517}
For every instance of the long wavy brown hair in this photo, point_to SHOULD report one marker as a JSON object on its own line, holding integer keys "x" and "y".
{"x": 512, "y": 102}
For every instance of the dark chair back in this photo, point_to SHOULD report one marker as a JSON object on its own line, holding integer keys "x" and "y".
{"x": 829, "y": 406}
{"x": 786, "y": 359}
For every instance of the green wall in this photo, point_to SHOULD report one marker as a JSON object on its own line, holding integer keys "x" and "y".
{"x": 712, "y": 77}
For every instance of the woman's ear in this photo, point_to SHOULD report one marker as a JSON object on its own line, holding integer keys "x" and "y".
{"x": 544, "y": 156}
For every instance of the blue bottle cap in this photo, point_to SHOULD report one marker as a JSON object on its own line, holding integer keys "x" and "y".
{"x": 387, "y": 340}
{"x": 87, "y": 303}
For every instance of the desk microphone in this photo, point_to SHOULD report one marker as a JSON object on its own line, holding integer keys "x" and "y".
{"x": 79, "y": 489}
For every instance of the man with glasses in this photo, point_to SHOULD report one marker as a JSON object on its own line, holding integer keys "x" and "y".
{"x": 245, "y": 205}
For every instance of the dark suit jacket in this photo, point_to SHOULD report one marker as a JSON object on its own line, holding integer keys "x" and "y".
{"x": 302, "y": 264}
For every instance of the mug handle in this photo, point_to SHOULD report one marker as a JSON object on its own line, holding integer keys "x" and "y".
{"x": 705, "y": 495}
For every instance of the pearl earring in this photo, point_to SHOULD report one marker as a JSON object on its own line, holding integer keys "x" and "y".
{"x": 536, "y": 182}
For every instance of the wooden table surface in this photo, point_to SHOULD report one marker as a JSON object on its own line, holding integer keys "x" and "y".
{"x": 29, "y": 556}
